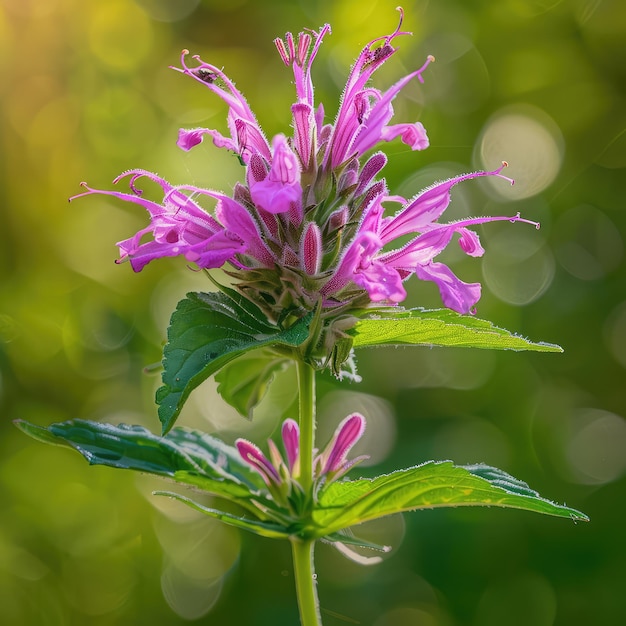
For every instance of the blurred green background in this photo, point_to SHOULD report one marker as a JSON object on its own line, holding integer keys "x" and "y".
{"x": 87, "y": 93}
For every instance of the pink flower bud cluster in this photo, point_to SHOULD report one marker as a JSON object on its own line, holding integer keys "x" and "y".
{"x": 281, "y": 475}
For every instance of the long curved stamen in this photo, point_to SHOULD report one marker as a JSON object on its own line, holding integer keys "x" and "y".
{"x": 396, "y": 33}
{"x": 429, "y": 59}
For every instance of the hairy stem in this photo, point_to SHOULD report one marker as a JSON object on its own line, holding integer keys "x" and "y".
{"x": 306, "y": 389}
{"x": 306, "y": 584}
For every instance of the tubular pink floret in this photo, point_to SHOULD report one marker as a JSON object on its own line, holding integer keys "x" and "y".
{"x": 252, "y": 455}
{"x": 498, "y": 218}
{"x": 282, "y": 50}
{"x": 291, "y": 440}
{"x": 423, "y": 210}
{"x": 207, "y": 74}
{"x": 311, "y": 249}
{"x": 304, "y": 41}
{"x": 347, "y": 434}
{"x": 135, "y": 174}
{"x": 291, "y": 46}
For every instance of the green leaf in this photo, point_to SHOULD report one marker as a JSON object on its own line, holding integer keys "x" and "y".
{"x": 207, "y": 331}
{"x": 244, "y": 381}
{"x": 440, "y": 327}
{"x": 433, "y": 484}
{"x": 187, "y": 456}
{"x": 272, "y": 530}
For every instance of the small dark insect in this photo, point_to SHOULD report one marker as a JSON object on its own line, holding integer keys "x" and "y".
{"x": 205, "y": 75}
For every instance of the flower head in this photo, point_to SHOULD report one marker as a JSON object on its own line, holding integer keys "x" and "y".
{"x": 309, "y": 226}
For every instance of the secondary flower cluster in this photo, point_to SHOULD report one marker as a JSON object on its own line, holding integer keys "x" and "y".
{"x": 281, "y": 475}
{"x": 308, "y": 227}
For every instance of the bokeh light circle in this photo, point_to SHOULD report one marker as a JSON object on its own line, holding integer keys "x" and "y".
{"x": 187, "y": 597}
{"x": 615, "y": 333}
{"x": 120, "y": 35}
{"x": 407, "y": 616}
{"x": 516, "y": 282}
{"x": 527, "y": 598}
{"x": 588, "y": 244}
{"x": 530, "y": 142}
{"x": 596, "y": 449}
{"x": 168, "y": 11}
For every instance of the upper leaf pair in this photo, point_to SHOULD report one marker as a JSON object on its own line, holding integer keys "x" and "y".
{"x": 208, "y": 331}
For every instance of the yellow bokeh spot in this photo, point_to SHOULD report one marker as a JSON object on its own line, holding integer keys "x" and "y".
{"x": 120, "y": 35}
{"x": 531, "y": 143}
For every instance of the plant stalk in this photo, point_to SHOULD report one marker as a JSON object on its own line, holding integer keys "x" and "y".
{"x": 306, "y": 389}
{"x": 303, "y": 549}
{"x": 306, "y": 583}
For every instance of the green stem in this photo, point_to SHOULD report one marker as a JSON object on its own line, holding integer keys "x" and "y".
{"x": 306, "y": 584}
{"x": 306, "y": 389}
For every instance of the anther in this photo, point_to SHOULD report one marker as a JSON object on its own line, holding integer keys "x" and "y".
{"x": 500, "y": 175}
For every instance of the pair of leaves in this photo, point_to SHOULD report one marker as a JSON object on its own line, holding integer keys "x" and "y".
{"x": 202, "y": 461}
{"x": 223, "y": 331}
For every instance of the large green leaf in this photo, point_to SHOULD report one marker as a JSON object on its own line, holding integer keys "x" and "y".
{"x": 207, "y": 331}
{"x": 433, "y": 484}
{"x": 440, "y": 327}
{"x": 243, "y": 382}
{"x": 187, "y": 456}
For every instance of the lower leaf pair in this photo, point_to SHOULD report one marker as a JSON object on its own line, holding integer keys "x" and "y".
{"x": 204, "y": 462}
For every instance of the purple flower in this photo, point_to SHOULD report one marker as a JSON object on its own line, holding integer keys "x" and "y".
{"x": 308, "y": 223}
{"x": 381, "y": 273}
{"x": 246, "y": 137}
{"x": 280, "y": 190}
{"x": 180, "y": 227}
